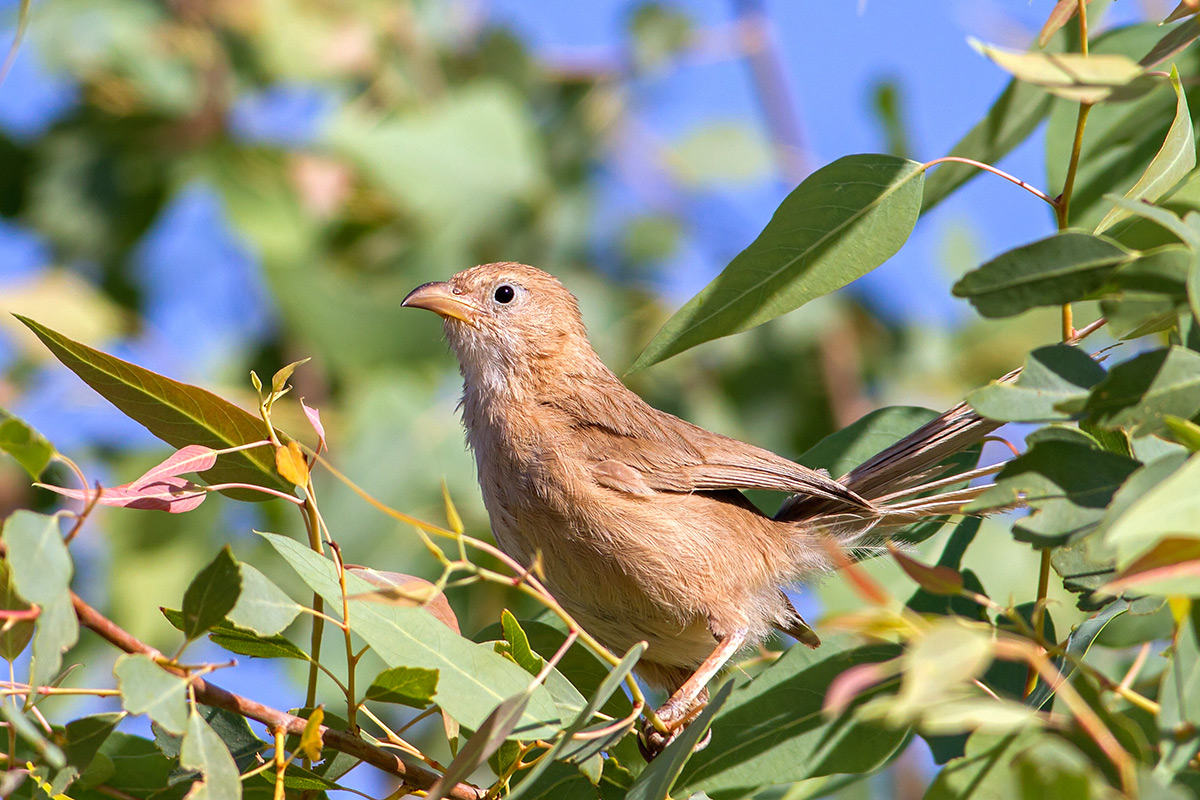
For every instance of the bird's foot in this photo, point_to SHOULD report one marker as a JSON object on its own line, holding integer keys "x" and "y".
{"x": 652, "y": 741}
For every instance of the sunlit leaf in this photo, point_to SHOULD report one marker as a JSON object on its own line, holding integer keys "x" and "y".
{"x": 1169, "y": 508}
{"x": 291, "y": 464}
{"x": 1083, "y": 79}
{"x": 1174, "y": 160}
{"x": 1064, "y": 499}
{"x": 1138, "y": 393}
{"x": 30, "y": 449}
{"x": 843, "y": 221}
{"x": 261, "y": 605}
{"x": 147, "y": 688}
{"x": 15, "y": 638}
{"x": 204, "y": 752}
{"x": 171, "y": 494}
{"x": 175, "y": 412}
{"x": 471, "y": 679}
{"x": 774, "y": 726}
{"x": 493, "y": 732}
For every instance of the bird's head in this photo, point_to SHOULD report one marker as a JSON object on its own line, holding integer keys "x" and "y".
{"x": 506, "y": 322}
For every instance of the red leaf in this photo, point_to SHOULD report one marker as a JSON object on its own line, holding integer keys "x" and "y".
{"x": 935, "y": 580}
{"x": 314, "y": 419}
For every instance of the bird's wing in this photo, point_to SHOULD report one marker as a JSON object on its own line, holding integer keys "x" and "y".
{"x": 633, "y": 447}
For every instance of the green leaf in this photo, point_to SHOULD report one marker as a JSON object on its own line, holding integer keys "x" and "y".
{"x": 1058, "y": 269}
{"x": 843, "y": 221}
{"x": 41, "y": 565}
{"x": 1140, "y": 392}
{"x": 204, "y": 752}
{"x": 177, "y": 413}
{"x": 1120, "y": 139}
{"x": 14, "y": 640}
{"x": 147, "y": 688}
{"x": 1170, "y": 508}
{"x": 242, "y": 641}
{"x": 86, "y": 735}
{"x": 518, "y": 644}
{"x": 409, "y": 686}
{"x": 1079, "y": 641}
{"x": 495, "y": 730}
{"x": 211, "y": 595}
{"x": 774, "y": 727}
{"x": 529, "y": 785}
{"x": 1025, "y": 766}
{"x": 1144, "y": 232}
{"x": 1075, "y": 77}
{"x": 30, "y": 449}
{"x": 1179, "y": 696}
{"x": 1053, "y": 385}
{"x": 479, "y": 149}
{"x": 137, "y": 766}
{"x": 262, "y": 606}
{"x": 1174, "y": 160}
{"x": 843, "y": 450}
{"x": 472, "y": 679}
{"x": 31, "y": 733}
{"x": 656, "y": 780}
{"x": 56, "y": 631}
{"x": 1065, "y": 500}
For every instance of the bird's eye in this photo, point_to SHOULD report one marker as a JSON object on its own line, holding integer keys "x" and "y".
{"x": 504, "y": 294}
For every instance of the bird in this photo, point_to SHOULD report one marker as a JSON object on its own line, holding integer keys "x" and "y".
{"x": 636, "y": 518}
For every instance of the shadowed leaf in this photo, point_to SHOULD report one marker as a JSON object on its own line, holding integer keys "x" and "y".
{"x": 1053, "y": 385}
{"x": 1058, "y": 269}
{"x": 1138, "y": 393}
{"x": 409, "y": 686}
{"x": 212, "y": 594}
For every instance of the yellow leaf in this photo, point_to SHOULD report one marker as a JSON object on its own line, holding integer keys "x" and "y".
{"x": 290, "y": 463}
{"x": 452, "y": 518}
{"x": 310, "y": 740}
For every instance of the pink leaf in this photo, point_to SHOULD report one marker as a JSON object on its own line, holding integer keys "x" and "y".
{"x": 314, "y": 419}
{"x": 171, "y": 494}
{"x": 193, "y": 458}
{"x": 853, "y": 682}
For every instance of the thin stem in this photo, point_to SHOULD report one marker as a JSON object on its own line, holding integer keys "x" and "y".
{"x": 995, "y": 171}
{"x": 281, "y": 762}
{"x": 1039, "y": 614}
{"x": 318, "y": 605}
{"x": 351, "y": 662}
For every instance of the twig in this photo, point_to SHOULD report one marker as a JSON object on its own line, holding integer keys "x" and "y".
{"x": 212, "y": 695}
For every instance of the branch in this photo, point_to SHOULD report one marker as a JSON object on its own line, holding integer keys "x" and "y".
{"x": 275, "y": 720}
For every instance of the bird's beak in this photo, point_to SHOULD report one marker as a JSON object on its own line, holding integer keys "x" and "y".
{"x": 440, "y": 298}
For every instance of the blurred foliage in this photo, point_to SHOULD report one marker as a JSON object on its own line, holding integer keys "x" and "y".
{"x": 206, "y": 188}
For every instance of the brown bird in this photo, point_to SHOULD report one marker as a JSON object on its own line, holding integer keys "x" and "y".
{"x": 637, "y": 516}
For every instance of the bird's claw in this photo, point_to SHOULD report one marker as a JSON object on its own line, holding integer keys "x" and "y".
{"x": 651, "y": 741}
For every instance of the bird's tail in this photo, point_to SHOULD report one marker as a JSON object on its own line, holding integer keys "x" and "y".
{"x": 912, "y": 480}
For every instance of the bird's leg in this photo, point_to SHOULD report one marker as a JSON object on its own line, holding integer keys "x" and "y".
{"x": 689, "y": 699}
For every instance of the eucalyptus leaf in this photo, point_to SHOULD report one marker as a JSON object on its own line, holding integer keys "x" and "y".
{"x": 1053, "y": 385}
{"x": 175, "y": 412}
{"x": 261, "y": 605}
{"x": 212, "y": 594}
{"x": 1138, "y": 393}
{"x": 471, "y": 678}
{"x": 21, "y": 441}
{"x": 147, "y": 688}
{"x": 1059, "y": 269}
{"x": 841, "y": 222}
